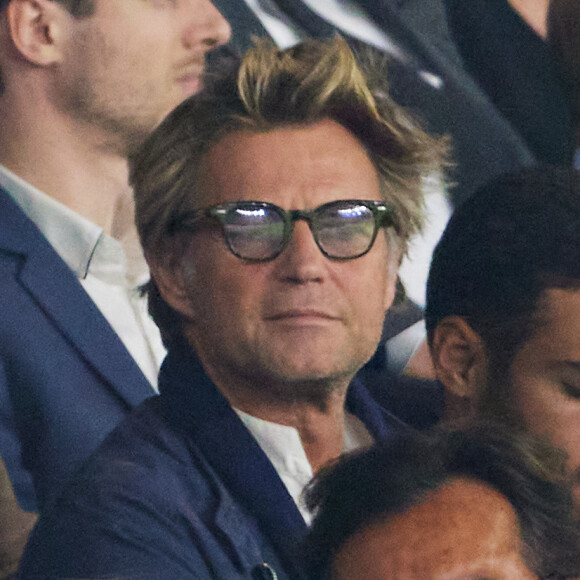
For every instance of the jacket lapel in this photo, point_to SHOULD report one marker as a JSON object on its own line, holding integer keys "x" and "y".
{"x": 58, "y": 293}
{"x": 380, "y": 423}
{"x": 195, "y": 404}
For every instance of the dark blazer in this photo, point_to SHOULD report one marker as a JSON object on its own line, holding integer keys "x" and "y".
{"x": 180, "y": 490}
{"x": 66, "y": 379}
{"x": 485, "y": 144}
{"x": 516, "y": 68}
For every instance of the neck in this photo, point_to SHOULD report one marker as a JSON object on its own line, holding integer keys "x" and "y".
{"x": 314, "y": 409}
{"x": 321, "y": 429}
{"x": 67, "y": 161}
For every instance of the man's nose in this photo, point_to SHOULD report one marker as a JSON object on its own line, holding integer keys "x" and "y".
{"x": 208, "y": 29}
{"x": 302, "y": 259}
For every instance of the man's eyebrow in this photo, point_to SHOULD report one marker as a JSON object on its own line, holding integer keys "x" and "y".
{"x": 574, "y": 364}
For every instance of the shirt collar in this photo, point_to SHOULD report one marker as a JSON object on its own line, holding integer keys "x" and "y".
{"x": 283, "y": 440}
{"x": 80, "y": 243}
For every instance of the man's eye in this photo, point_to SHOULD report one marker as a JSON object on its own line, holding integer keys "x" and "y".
{"x": 571, "y": 391}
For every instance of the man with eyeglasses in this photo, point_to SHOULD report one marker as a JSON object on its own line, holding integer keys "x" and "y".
{"x": 273, "y": 209}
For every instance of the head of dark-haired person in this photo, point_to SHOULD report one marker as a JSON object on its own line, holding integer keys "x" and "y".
{"x": 465, "y": 503}
{"x": 503, "y": 306}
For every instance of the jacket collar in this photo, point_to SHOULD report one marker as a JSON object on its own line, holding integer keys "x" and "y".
{"x": 53, "y": 286}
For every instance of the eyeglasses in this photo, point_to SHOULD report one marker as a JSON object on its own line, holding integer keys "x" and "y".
{"x": 259, "y": 231}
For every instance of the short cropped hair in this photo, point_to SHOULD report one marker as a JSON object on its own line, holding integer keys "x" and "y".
{"x": 564, "y": 40}
{"x": 368, "y": 487}
{"x": 513, "y": 239}
{"x": 270, "y": 89}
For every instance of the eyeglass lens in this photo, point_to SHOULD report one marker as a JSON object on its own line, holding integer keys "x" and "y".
{"x": 342, "y": 229}
{"x": 254, "y": 233}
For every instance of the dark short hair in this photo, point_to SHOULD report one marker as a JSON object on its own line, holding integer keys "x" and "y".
{"x": 516, "y": 237}
{"x": 270, "y": 89}
{"x": 366, "y": 488}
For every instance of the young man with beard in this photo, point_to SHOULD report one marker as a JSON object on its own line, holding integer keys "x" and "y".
{"x": 503, "y": 307}
{"x": 82, "y": 84}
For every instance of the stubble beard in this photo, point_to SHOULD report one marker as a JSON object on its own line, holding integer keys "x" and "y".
{"x": 114, "y": 132}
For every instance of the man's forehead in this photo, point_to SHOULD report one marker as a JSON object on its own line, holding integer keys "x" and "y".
{"x": 557, "y": 307}
{"x": 462, "y": 526}
{"x": 555, "y": 340}
{"x": 320, "y": 156}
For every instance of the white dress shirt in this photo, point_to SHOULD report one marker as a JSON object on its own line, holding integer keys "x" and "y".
{"x": 99, "y": 263}
{"x": 283, "y": 447}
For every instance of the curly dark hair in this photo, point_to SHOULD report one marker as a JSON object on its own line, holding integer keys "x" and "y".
{"x": 366, "y": 488}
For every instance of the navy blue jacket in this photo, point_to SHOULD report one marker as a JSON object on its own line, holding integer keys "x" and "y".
{"x": 180, "y": 489}
{"x": 66, "y": 379}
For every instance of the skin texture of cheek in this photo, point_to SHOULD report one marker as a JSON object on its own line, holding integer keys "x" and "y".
{"x": 257, "y": 329}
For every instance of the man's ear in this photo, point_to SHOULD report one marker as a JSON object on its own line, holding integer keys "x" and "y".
{"x": 459, "y": 357}
{"x": 168, "y": 272}
{"x": 37, "y": 28}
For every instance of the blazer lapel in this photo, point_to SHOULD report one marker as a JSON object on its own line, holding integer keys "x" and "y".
{"x": 380, "y": 423}
{"x": 198, "y": 407}
{"x": 400, "y": 22}
{"x": 58, "y": 293}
